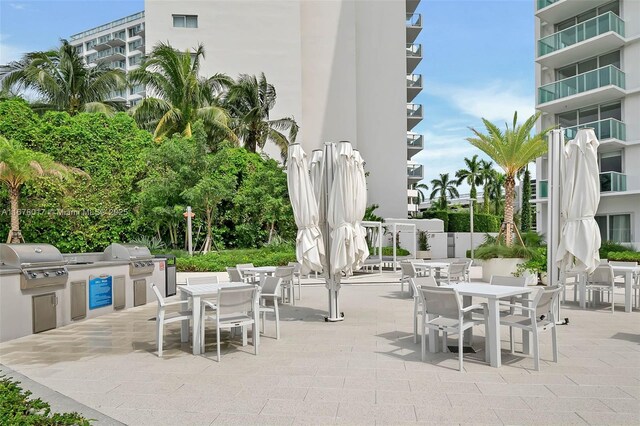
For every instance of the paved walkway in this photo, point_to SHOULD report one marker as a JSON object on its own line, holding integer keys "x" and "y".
{"x": 364, "y": 370}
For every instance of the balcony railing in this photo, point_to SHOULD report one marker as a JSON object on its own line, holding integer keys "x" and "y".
{"x": 415, "y": 140}
{"x": 543, "y": 189}
{"x": 585, "y": 30}
{"x": 112, "y": 24}
{"x": 414, "y": 50}
{"x": 118, "y": 65}
{"x": 111, "y": 52}
{"x": 613, "y": 182}
{"x": 120, "y": 35}
{"x": 414, "y": 20}
{"x": 104, "y": 39}
{"x": 544, "y": 3}
{"x": 415, "y": 171}
{"x": 604, "y": 129}
{"x": 414, "y": 110}
{"x": 414, "y": 80}
{"x": 605, "y": 76}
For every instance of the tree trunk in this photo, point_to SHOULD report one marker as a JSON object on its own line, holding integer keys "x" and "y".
{"x": 14, "y": 197}
{"x": 509, "y": 185}
{"x": 271, "y": 232}
{"x": 485, "y": 199}
{"x": 473, "y": 194}
{"x": 207, "y": 241}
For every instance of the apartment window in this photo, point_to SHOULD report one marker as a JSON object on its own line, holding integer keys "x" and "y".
{"x": 609, "y": 7}
{"x": 590, "y": 114}
{"x": 89, "y": 45}
{"x": 615, "y": 227}
{"x": 135, "y": 60}
{"x": 185, "y": 21}
{"x": 611, "y": 58}
{"x": 610, "y": 161}
{"x": 134, "y": 31}
{"x": 79, "y": 49}
{"x": 91, "y": 58}
{"x": 133, "y": 45}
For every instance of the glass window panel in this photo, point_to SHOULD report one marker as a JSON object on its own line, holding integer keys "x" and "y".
{"x": 602, "y": 224}
{"x": 612, "y": 58}
{"x": 611, "y": 111}
{"x": 567, "y": 119}
{"x": 611, "y": 7}
{"x": 620, "y": 229}
{"x": 192, "y": 22}
{"x": 588, "y": 115}
{"x": 178, "y": 21}
{"x": 566, "y": 72}
{"x": 611, "y": 162}
{"x": 587, "y": 15}
{"x": 565, "y": 24}
{"x": 588, "y": 65}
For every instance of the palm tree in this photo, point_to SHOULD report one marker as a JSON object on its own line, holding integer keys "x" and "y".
{"x": 18, "y": 166}
{"x": 250, "y": 101}
{"x": 180, "y": 96}
{"x": 512, "y": 150}
{"x": 494, "y": 190}
{"x": 443, "y": 187}
{"x": 64, "y": 82}
{"x": 421, "y": 188}
{"x": 486, "y": 171}
{"x": 472, "y": 175}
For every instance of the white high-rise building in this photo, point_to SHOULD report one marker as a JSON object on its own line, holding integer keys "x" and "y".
{"x": 588, "y": 75}
{"x": 342, "y": 69}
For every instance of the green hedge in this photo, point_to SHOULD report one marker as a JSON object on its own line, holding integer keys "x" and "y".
{"x": 624, "y": 256}
{"x": 482, "y": 222}
{"x": 220, "y": 260}
{"x": 608, "y": 247}
{"x": 388, "y": 251}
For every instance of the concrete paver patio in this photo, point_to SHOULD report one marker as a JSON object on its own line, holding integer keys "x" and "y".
{"x": 364, "y": 370}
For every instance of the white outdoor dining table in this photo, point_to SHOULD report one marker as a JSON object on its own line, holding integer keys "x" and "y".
{"x": 196, "y": 293}
{"x": 261, "y": 271}
{"x": 431, "y": 266}
{"x": 627, "y": 271}
{"x": 492, "y": 294}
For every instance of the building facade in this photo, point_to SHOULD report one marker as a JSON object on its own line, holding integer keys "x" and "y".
{"x": 587, "y": 72}
{"x": 340, "y": 68}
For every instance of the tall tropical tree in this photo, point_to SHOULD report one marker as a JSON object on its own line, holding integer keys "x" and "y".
{"x": 472, "y": 175}
{"x": 525, "y": 213}
{"x": 486, "y": 171}
{"x": 421, "y": 188}
{"x": 18, "y": 166}
{"x": 179, "y": 95}
{"x": 64, "y": 82}
{"x": 443, "y": 187}
{"x": 495, "y": 190}
{"x": 250, "y": 101}
{"x": 511, "y": 149}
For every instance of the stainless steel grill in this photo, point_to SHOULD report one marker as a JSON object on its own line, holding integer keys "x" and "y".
{"x": 41, "y": 265}
{"x": 139, "y": 257}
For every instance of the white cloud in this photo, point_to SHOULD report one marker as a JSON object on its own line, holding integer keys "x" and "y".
{"x": 496, "y": 101}
{"x": 9, "y": 52}
{"x": 18, "y": 6}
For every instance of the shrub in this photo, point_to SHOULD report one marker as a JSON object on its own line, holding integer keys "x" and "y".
{"x": 537, "y": 264}
{"x": 388, "y": 251}
{"x": 16, "y": 408}
{"x": 610, "y": 247}
{"x": 423, "y": 241}
{"x": 624, "y": 256}
{"x": 482, "y": 222}
{"x": 492, "y": 251}
{"x": 220, "y": 260}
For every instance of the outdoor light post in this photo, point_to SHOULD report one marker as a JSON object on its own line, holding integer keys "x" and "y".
{"x": 471, "y": 200}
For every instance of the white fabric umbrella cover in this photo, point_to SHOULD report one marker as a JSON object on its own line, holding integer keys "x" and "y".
{"x": 360, "y": 207}
{"x": 580, "y": 234}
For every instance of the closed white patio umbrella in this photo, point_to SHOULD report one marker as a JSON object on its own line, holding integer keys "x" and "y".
{"x": 309, "y": 243}
{"x": 360, "y": 207}
{"x": 580, "y": 186}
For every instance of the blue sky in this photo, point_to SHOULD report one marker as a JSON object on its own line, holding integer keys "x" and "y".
{"x": 478, "y": 61}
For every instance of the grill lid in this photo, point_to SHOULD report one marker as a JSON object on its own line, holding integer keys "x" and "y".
{"x": 30, "y": 255}
{"x": 127, "y": 252}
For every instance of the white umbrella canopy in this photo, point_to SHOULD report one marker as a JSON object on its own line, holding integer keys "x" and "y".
{"x": 341, "y": 211}
{"x": 360, "y": 207}
{"x": 309, "y": 244}
{"x": 580, "y": 234}
{"x": 316, "y": 172}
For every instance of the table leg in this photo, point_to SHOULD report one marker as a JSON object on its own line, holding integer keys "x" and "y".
{"x": 628, "y": 278}
{"x": 196, "y": 324}
{"x": 468, "y": 333}
{"x": 582, "y": 292}
{"x": 493, "y": 341}
{"x": 184, "y": 324}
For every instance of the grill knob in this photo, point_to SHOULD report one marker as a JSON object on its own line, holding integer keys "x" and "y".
{"x": 45, "y": 273}
{"x": 59, "y": 272}
{"x": 33, "y": 274}
{"x": 137, "y": 265}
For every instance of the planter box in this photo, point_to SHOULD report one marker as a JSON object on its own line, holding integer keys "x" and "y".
{"x": 499, "y": 266}
{"x": 423, "y": 254}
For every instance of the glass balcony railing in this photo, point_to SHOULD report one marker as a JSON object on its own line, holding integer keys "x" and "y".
{"x": 414, "y": 50}
{"x": 544, "y": 3}
{"x": 414, "y": 20}
{"x": 543, "y": 189}
{"x": 414, "y": 80}
{"x": 414, "y": 111}
{"x": 104, "y": 39}
{"x": 118, "y": 65}
{"x": 415, "y": 140}
{"x": 583, "y": 31}
{"x": 415, "y": 171}
{"x": 613, "y": 182}
{"x": 580, "y": 83}
{"x": 604, "y": 129}
{"x": 111, "y": 52}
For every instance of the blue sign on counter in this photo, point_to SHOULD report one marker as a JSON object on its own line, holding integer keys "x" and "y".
{"x": 100, "y": 291}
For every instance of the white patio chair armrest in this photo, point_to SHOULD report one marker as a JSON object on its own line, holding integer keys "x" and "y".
{"x": 482, "y": 306}
{"x": 511, "y": 305}
{"x": 209, "y": 304}
{"x": 179, "y": 302}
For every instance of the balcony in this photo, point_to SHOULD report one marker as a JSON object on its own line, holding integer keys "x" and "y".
{"x": 600, "y": 34}
{"x": 113, "y": 54}
{"x": 414, "y": 26}
{"x": 609, "y": 129}
{"x": 415, "y": 172}
{"x": 414, "y": 56}
{"x": 137, "y": 30}
{"x": 121, "y": 65}
{"x": 118, "y": 39}
{"x": 412, "y": 193}
{"x": 412, "y": 5}
{"x": 118, "y": 95}
{"x": 102, "y": 42}
{"x": 554, "y": 11}
{"x": 609, "y": 182}
{"x": 414, "y": 86}
{"x": 414, "y": 115}
{"x": 415, "y": 144}
{"x": 589, "y": 88}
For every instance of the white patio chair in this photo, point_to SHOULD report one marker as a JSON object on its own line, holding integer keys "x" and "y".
{"x": 575, "y": 283}
{"x": 249, "y": 277}
{"x": 467, "y": 268}
{"x": 416, "y": 283}
{"x": 621, "y": 283}
{"x": 454, "y": 273}
{"x": 163, "y": 318}
{"x": 445, "y": 304}
{"x": 269, "y": 295}
{"x": 199, "y": 280}
{"x": 602, "y": 281}
{"x": 408, "y": 272}
{"x": 234, "y": 307}
{"x": 285, "y": 273}
{"x": 636, "y": 286}
{"x": 541, "y": 316}
{"x": 235, "y": 276}
{"x": 296, "y": 273}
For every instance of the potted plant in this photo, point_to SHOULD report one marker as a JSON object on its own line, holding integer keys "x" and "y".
{"x": 499, "y": 259}
{"x": 536, "y": 266}
{"x": 424, "y": 249}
